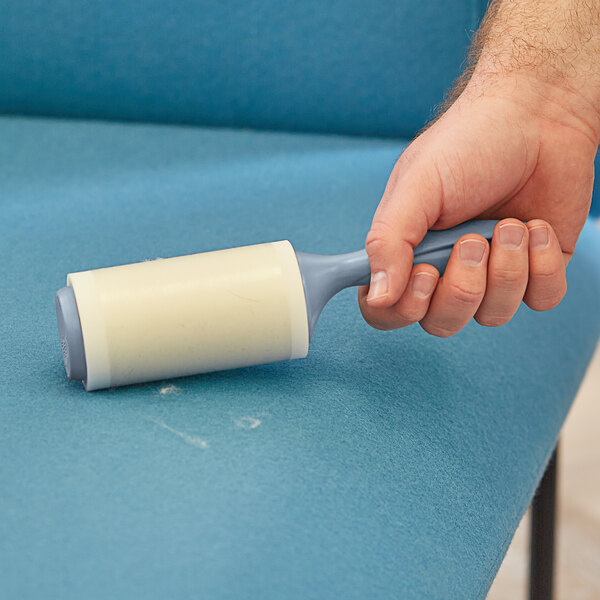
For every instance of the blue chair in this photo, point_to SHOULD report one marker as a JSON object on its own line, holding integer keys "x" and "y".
{"x": 385, "y": 464}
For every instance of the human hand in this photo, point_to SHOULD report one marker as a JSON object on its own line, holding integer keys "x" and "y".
{"x": 512, "y": 147}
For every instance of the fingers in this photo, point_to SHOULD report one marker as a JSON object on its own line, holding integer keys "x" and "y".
{"x": 508, "y": 270}
{"x": 525, "y": 263}
{"x": 461, "y": 290}
{"x": 547, "y": 276}
{"x": 412, "y": 305}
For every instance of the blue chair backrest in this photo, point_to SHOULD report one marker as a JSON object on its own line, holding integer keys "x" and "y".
{"x": 344, "y": 66}
{"x": 337, "y": 66}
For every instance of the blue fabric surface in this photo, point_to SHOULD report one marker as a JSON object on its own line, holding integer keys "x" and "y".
{"x": 343, "y": 65}
{"x": 383, "y": 465}
{"x": 595, "y": 210}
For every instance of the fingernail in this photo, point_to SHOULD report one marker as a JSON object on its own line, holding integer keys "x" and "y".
{"x": 423, "y": 284}
{"x": 511, "y": 235}
{"x": 471, "y": 252}
{"x": 379, "y": 286}
{"x": 538, "y": 237}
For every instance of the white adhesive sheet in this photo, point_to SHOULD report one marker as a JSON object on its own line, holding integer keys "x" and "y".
{"x": 191, "y": 314}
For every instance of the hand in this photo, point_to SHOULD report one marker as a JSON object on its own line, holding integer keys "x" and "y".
{"x": 516, "y": 150}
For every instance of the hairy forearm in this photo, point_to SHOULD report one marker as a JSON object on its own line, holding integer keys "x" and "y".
{"x": 557, "y": 39}
{"x": 552, "y": 44}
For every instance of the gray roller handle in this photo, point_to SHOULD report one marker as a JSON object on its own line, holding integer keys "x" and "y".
{"x": 323, "y": 276}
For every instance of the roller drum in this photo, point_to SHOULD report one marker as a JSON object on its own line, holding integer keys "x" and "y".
{"x": 191, "y": 314}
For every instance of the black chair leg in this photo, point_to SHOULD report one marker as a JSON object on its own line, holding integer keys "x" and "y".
{"x": 543, "y": 521}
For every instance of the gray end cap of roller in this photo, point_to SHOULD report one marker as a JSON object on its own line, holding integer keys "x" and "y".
{"x": 71, "y": 338}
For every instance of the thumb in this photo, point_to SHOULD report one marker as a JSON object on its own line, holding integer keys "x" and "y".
{"x": 410, "y": 206}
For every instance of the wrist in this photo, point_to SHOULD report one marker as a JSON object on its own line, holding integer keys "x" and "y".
{"x": 552, "y": 99}
{"x": 548, "y": 51}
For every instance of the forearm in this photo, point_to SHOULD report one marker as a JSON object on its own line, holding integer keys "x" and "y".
{"x": 550, "y": 45}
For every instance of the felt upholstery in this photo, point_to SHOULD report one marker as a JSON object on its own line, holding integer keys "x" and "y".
{"x": 343, "y": 65}
{"x": 383, "y": 465}
{"x": 596, "y": 197}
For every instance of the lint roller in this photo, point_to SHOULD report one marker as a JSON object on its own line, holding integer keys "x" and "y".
{"x": 205, "y": 312}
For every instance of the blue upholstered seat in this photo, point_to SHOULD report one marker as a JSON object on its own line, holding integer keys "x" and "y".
{"x": 383, "y": 465}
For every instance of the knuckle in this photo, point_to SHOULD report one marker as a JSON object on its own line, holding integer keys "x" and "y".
{"x": 376, "y": 239}
{"x": 548, "y": 297}
{"x": 464, "y": 295}
{"x": 508, "y": 277}
{"x": 547, "y": 271}
{"x": 491, "y": 320}
{"x": 437, "y": 329}
{"x": 545, "y": 302}
{"x": 409, "y": 314}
